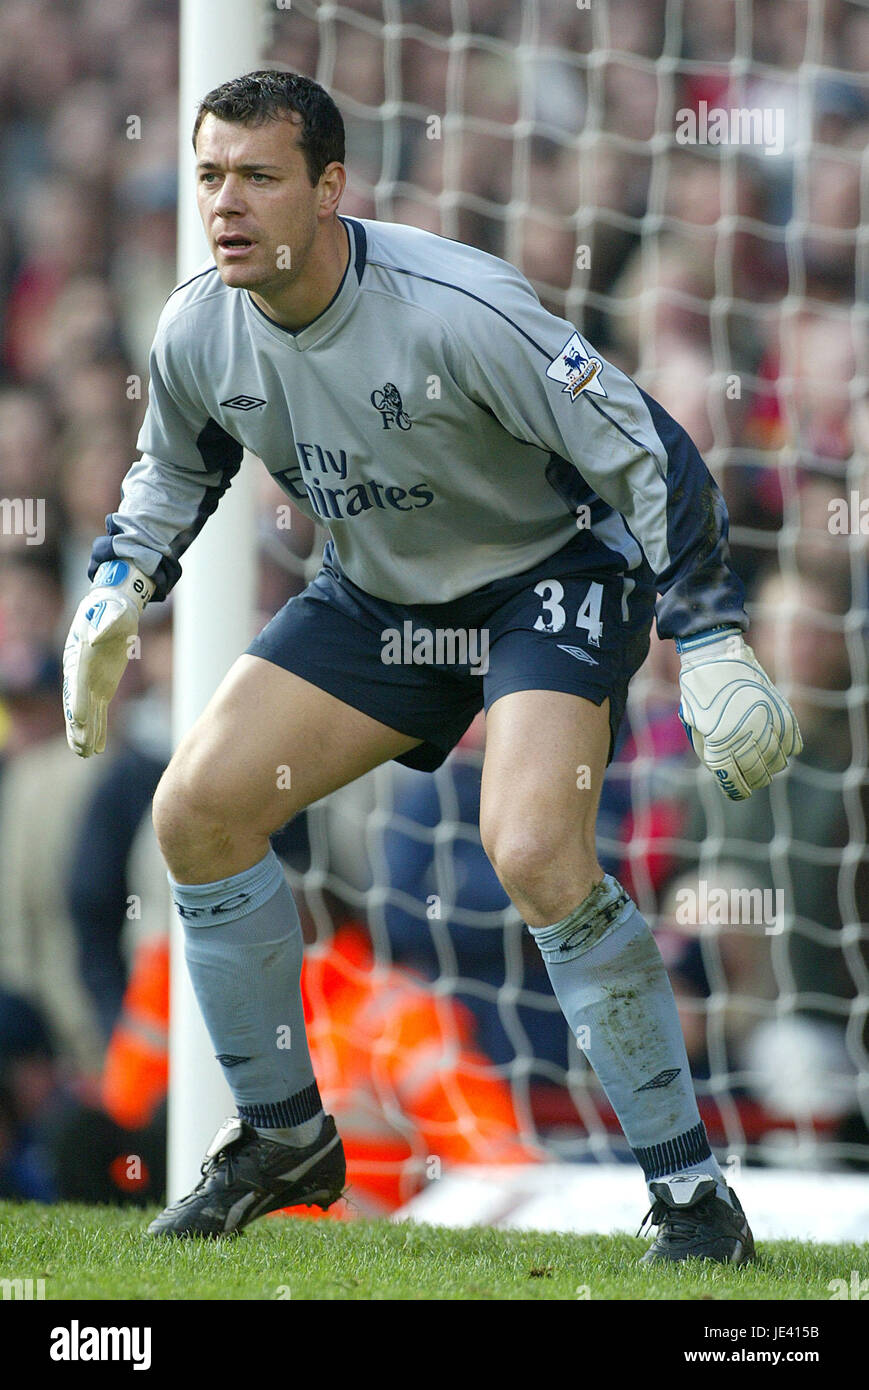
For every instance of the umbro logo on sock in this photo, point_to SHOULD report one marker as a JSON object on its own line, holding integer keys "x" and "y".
{"x": 229, "y": 1059}
{"x": 662, "y": 1079}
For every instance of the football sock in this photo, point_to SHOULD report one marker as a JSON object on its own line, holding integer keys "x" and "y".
{"x": 243, "y": 944}
{"x": 609, "y": 978}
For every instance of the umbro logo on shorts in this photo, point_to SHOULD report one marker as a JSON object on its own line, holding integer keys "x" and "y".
{"x": 578, "y": 653}
{"x": 243, "y": 402}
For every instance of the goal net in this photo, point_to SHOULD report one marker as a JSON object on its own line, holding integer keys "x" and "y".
{"x": 683, "y": 182}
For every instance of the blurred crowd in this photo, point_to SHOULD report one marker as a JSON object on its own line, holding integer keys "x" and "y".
{"x": 730, "y": 282}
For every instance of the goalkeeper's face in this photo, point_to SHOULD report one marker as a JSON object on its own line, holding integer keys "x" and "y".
{"x": 260, "y": 212}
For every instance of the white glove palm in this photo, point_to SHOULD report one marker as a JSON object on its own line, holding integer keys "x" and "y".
{"x": 738, "y": 723}
{"x": 97, "y": 651}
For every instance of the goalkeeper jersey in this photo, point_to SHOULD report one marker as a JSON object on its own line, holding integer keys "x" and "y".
{"x": 445, "y": 427}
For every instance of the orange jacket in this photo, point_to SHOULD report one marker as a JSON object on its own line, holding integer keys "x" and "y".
{"x": 394, "y": 1061}
{"x": 396, "y": 1065}
{"x": 136, "y": 1068}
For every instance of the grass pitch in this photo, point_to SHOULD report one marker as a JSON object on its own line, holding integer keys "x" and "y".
{"x": 94, "y": 1253}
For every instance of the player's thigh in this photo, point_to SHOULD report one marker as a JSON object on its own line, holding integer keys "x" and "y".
{"x": 269, "y": 744}
{"x": 546, "y": 754}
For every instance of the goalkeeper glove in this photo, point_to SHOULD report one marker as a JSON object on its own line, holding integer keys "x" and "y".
{"x": 736, "y": 721}
{"x": 97, "y": 651}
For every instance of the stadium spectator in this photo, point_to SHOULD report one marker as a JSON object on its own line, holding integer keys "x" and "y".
{"x": 818, "y": 959}
{"x": 102, "y": 902}
{"x": 724, "y": 966}
{"x": 41, "y": 805}
{"x": 32, "y": 1094}
{"x": 27, "y": 432}
{"x": 445, "y": 913}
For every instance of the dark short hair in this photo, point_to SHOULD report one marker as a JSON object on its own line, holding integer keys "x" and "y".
{"x": 271, "y": 95}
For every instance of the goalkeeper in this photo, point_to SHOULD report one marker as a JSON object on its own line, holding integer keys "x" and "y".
{"x": 504, "y": 505}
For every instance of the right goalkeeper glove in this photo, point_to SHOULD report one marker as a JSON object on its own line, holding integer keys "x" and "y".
{"x": 97, "y": 651}
{"x": 738, "y": 724}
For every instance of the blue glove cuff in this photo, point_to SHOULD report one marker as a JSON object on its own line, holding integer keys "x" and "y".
{"x": 702, "y": 639}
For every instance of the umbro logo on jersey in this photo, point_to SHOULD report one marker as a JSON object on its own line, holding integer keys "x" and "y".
{"x": 662, "y": 1079}
{"x": 243, "y": 402}
{"x": 578, "y": 653}
{"x": 388, "y": 401}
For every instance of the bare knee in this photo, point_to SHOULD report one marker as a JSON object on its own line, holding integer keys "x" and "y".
{"x": 193, "y": 829}
{"x": 204, "y": 831}
{"x": 546, "y": 872}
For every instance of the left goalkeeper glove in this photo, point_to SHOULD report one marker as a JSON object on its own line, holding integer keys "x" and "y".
{"x": 736, "y": 721}
{"x": 97, "y": 651}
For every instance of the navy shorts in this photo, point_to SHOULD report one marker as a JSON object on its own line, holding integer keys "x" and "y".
{"x": 427, "y": 669}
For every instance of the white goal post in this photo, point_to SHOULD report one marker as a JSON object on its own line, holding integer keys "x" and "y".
{"x": 214, "y": 601}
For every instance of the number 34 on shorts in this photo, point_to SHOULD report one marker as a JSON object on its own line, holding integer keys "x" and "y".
{"x": 554, "y": 617}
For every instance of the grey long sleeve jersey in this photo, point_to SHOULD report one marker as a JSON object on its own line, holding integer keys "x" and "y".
{"x": 444, "y": 426}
